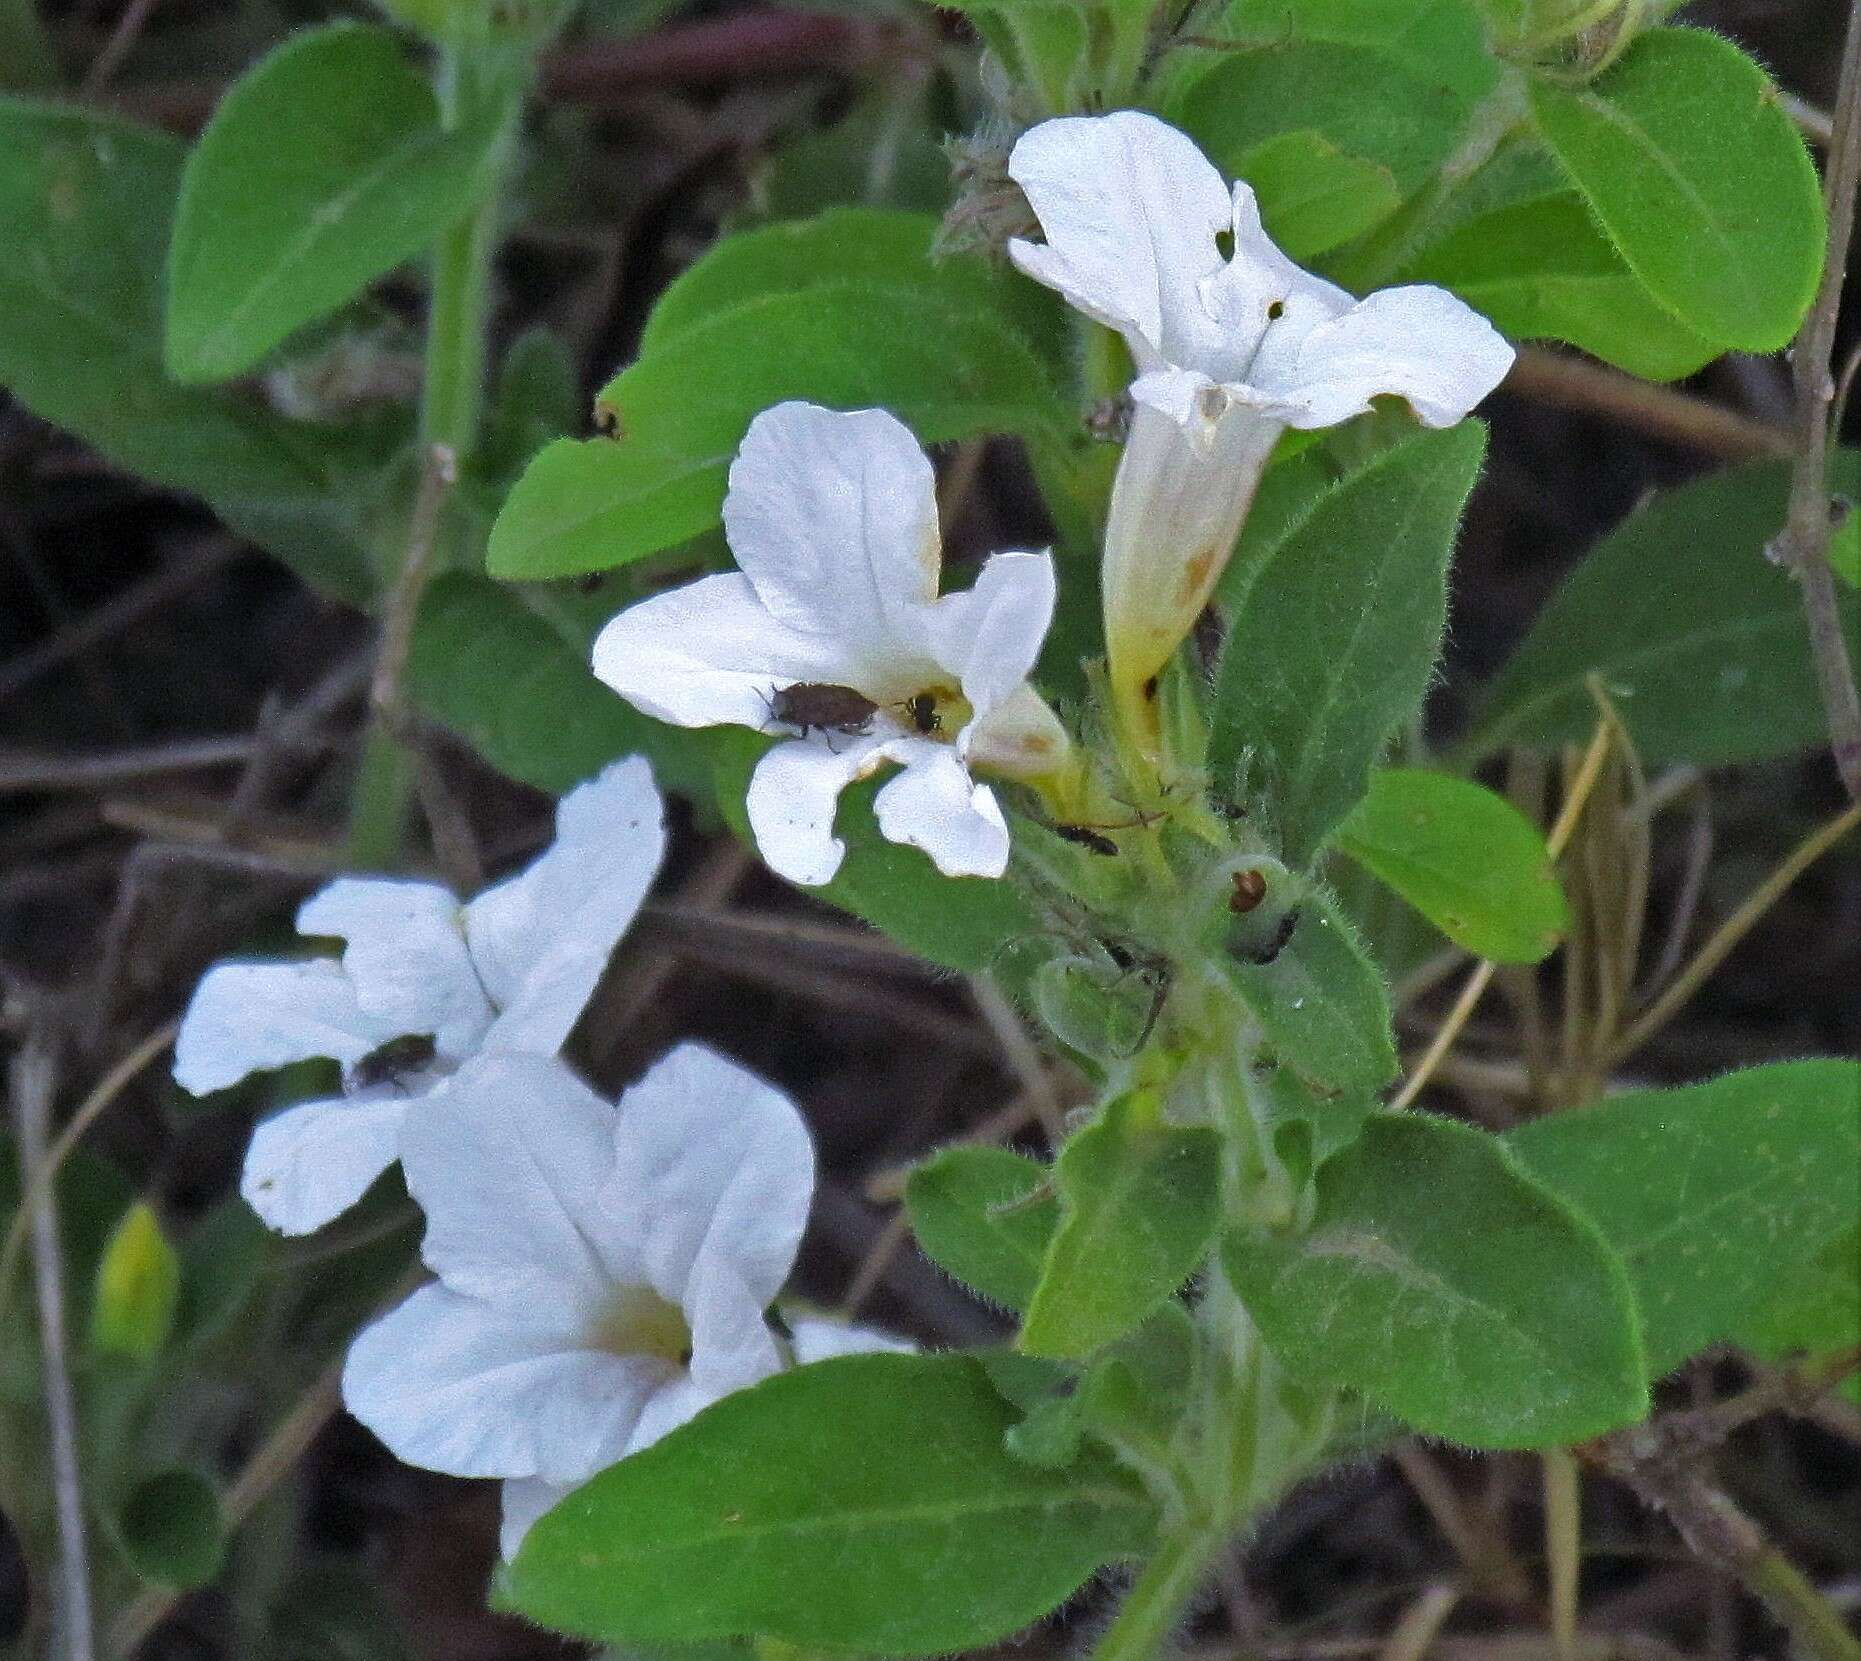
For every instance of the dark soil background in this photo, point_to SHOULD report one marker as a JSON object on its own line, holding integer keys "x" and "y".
{"x": 133, "y": 627}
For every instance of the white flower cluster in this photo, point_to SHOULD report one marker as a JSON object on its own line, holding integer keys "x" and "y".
{"x": 832, "y": 628}
{"x": 602, "y": 1271}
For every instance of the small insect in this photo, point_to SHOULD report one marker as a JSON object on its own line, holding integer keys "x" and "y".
{"x": 822, "y": 706}
{"x": 1250, "y": 888}
{"x": 607, "y": 421}
{"x": 921, "y": 707}
{"x": 1086, "y": 837}
{"x": 1281, "y": 936}
{"x": 392, "y": 1062}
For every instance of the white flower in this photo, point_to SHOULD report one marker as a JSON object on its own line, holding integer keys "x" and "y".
{"x": 833, "y": 521}
{"x": 423, "y": 983}
{"x": 1230, "y": 348}
{"x": 602, "y": 1274}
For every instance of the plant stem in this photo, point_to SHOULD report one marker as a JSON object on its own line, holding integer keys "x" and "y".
{"x": 452, "y": 401}
{"x": 31, "y": 1089}
{"x": 1161, "y": 1594}
{"x": 1803, "y": 546}
{"x": 378, "y": 802}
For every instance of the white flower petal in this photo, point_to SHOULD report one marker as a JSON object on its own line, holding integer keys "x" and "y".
{"x": 710, "y": 654}
{"x": 1020, "y": 737}
{"x": 833, "y": 517}
{"x": 1131, "y": 210}
{"x": 307, "y": 1165}
{"x": 1185, "y": 396}
{"x": 716, "y": 1164}
{"x": 1263, "y": 304}
{"x": 819, "y": 1338}
{"x": 511, "y": 1163}
{"x": 1418, "y": 343}
{"x": 991, "y": 635}
{"x": 541, "y": 940}
{"x": 524, "y": 1500}
{"x": 672, "y": 1405}
{"x": 1176, "y": 507}
{"x": 251, "y": 1017}
{"x": 792, "y": 798}
{"x": 453, "y": 1384}
{"x": 405, "y": 953}
{"x": 933, "y": 804}
{"x": 732, "y": 1346}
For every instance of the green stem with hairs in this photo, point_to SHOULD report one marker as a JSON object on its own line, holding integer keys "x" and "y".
{"x": 451, "y": 406}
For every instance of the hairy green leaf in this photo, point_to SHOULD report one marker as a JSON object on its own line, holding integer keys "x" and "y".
{"x": 839, "y": 311}
{"x": 1142, "y": 1201}
{"x": 1467, "y": 860}
{"x": 521, "y": 692}
{"x": 85, "y": 204}
{"x": 1361, "y": 100}
{"x": 1541, "y": 270}
{"x": 1334, "y": 632}
{"x": 1312, "y": 195}
{"x": 984, "y": 1215}
{"x": 1443, "y": 1283}
{"x": 1697, "y": 636}
{"x": 1700, "y": 179}
{"x": 1713, "y": 1195}
{"x": 865, "y": 1503}
{"x": 1321, "y": 1001}
{"x": 323, "y": 168}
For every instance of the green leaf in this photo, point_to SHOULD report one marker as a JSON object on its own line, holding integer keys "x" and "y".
{"x": 1698, "y": 637}
{"x": 865, "y": 1503}
{"x": 846, "y": 311}
{"x": 1364, "y": 102}
{"x": 984, "y": 1215}
{"x": 873, "y": 246}
{"x": 1142, "y": 1200}
{"x": 1314, "y": 197}
{"x": 1321, "y": 1001}
{"x": 1444, "y": 1284}
{"x": 1541, "y": 270}
{"x": 172, "y": 1531}
{"x": 137, "y": 1288}
{"x": 222, "y": 1258}
{"x": 85, "y": 206}
{"x": 1713, "y": 1194}
{"x": 323, "y": 168}
{"x": 1845, "y": 549}
{"x": 1334, "y": 632}
{"x": 1467, "y": 860}
{"x": 520, "y": 691}
{"x": 1700, "y": 179}
{"x": 1441, "y": 41}
{"x": 1814, "y": 1311}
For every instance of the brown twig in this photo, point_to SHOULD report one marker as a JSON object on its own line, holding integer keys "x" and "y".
{"x": 1570, "y": 382}
{"x": 113, "y": 615}
{"x": 1803, "y": 545}
{"x": 747, "y": 45}
{"x": 23, "y": 771}
{"x": 1730, "y": 932}
{"x": 1718, "y": 1533}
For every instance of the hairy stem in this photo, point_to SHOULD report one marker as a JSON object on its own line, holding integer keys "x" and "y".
{"x": 452, "y": 402}
{"x": 1160, "y": 1596}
